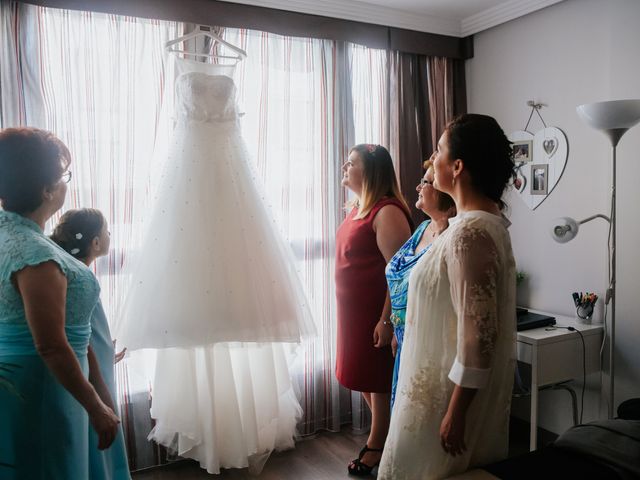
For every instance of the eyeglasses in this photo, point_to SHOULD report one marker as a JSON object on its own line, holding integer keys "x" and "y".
{"x": 66, "y": 176}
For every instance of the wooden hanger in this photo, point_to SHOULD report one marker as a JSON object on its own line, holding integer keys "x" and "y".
{"x": 205, "y": 31}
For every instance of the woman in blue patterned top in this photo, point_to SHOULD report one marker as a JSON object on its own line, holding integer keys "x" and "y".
{"x": 439, "y": 207}
{"x": 84, "y": 234}
{"x": 46, "y": 301}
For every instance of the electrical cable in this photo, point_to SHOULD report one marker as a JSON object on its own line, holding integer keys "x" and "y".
{"x": 584, "y": 366}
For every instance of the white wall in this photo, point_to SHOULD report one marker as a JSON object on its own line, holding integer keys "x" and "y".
{"x": 574, "y": 52}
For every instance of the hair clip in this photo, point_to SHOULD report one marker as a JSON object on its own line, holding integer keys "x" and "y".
{"x": 371, "y": 147}
{"x": 75, "y": 251}
{"x": 79, "y": 236}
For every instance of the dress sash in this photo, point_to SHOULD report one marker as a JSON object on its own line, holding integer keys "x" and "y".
{"x": 16, "y": 339}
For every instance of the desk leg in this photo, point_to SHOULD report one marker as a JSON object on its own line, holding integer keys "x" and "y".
{"x": 533, "y": 439}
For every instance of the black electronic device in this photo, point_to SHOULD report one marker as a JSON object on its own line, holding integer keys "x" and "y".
{"x": 528, "y": 320}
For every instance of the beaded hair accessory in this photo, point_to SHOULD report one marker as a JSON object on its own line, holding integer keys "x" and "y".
{"x": 75, "y": 251}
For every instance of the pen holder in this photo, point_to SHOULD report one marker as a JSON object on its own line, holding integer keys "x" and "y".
{"x": 584, "y": 313}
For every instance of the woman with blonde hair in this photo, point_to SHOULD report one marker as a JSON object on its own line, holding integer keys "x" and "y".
{"x": 377, "y": 225}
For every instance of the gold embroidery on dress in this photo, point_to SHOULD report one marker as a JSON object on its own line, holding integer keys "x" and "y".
{"x": 481, "y": 308}
{"x": 427, "y": 395}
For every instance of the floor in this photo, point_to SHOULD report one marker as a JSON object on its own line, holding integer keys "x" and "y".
{"x": 322, "y": 457}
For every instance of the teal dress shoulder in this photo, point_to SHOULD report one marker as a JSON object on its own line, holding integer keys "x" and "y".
{"x": 43, "y": 429}
{"x": 397, "y": 271}
{"x": 109, "y": 464}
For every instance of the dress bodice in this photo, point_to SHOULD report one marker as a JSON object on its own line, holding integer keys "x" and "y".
{"x": 398, "y": 270}
{"x": 22, "y": 243}
{"x": 43, "y": 409}
{"x": 206, "y": 98}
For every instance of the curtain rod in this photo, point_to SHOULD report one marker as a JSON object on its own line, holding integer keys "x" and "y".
{"x": 282, "y": 22}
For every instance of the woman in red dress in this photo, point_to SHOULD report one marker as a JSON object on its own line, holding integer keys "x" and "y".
{"x": 377, "y": 226}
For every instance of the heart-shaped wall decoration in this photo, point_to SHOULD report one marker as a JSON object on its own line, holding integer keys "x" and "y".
{"x": 540, "y": 161}
{"x": 550, "y": 145}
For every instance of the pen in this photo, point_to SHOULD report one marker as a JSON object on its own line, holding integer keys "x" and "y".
{"x": 576, "y": 299}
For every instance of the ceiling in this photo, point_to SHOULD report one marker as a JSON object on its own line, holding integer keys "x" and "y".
{"x": 458, "y": 18}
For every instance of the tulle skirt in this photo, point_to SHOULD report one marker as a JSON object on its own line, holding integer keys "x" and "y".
{"x": 213, "y": 266}
{"x": 226, "y": 405}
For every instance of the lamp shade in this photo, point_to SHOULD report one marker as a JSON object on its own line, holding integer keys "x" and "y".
{"x": 564, "y": 229}
{"x": 614, "y": 118}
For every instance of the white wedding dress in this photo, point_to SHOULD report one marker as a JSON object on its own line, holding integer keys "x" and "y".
{"x": 214, "y": 292}
{"x": 460, "y": 329}
{"x": 213, "y": 266}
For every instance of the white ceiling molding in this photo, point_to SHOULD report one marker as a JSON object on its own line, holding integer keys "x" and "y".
{"x": 501, "y": 14}
{"x": 362, "y": 11}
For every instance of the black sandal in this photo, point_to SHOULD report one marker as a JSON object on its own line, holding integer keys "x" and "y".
{"x": 360, "y": 469}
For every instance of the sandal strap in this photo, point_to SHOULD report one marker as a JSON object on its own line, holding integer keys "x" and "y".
{"x": 367, "y": 449}
{"x": 362, "y": 452}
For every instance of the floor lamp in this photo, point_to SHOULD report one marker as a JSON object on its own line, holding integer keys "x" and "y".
{"x": 612, "y": 118}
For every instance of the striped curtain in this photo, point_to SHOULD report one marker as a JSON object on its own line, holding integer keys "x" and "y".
{"x": 425, "y": 93}
{"x": 103, "y": 85}
{"x": 97, "y": 81}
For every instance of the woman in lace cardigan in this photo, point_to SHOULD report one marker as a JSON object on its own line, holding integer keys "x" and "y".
{"x": 454, "y": 387}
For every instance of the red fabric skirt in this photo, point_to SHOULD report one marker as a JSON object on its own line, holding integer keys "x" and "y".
{"x": 361, "y": 289}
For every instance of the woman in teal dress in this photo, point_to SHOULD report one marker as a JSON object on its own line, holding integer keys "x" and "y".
{"x": 440, "y": 207}
{"x": 84, "y": 234}
{"x": 46, "y": 301}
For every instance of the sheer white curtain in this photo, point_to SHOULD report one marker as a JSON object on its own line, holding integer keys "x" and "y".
{"x": 296, "y": 93}
{"x": 98, "y": 81}
{"x": 369, "y": 84}
{"x": 307, "y": 101}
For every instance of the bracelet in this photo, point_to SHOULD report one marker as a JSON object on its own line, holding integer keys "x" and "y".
{"x": 387, "y": 322}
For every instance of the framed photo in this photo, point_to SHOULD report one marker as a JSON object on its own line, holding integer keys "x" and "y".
{"x": 522, "y": 151}
{"x": 520, "y": 183}
{"x": 540, "y": 179}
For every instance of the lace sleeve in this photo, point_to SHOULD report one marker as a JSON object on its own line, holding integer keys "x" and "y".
{"x": 472, "y": 268}
{"x": 21, "y": 251}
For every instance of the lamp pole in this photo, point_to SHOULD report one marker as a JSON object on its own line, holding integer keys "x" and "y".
{"x": 614, "y": 134}
{"x": 611, "y": 293}
{"x": 613, "y": 118}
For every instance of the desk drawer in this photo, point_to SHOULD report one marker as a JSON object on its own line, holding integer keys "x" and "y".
{"x": 562, "y": 361}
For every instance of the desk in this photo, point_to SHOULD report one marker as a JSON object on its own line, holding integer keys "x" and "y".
{"x": 556, "y": 356}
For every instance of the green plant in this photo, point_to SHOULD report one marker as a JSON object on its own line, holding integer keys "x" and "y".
{"x": 520, "y": 276}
